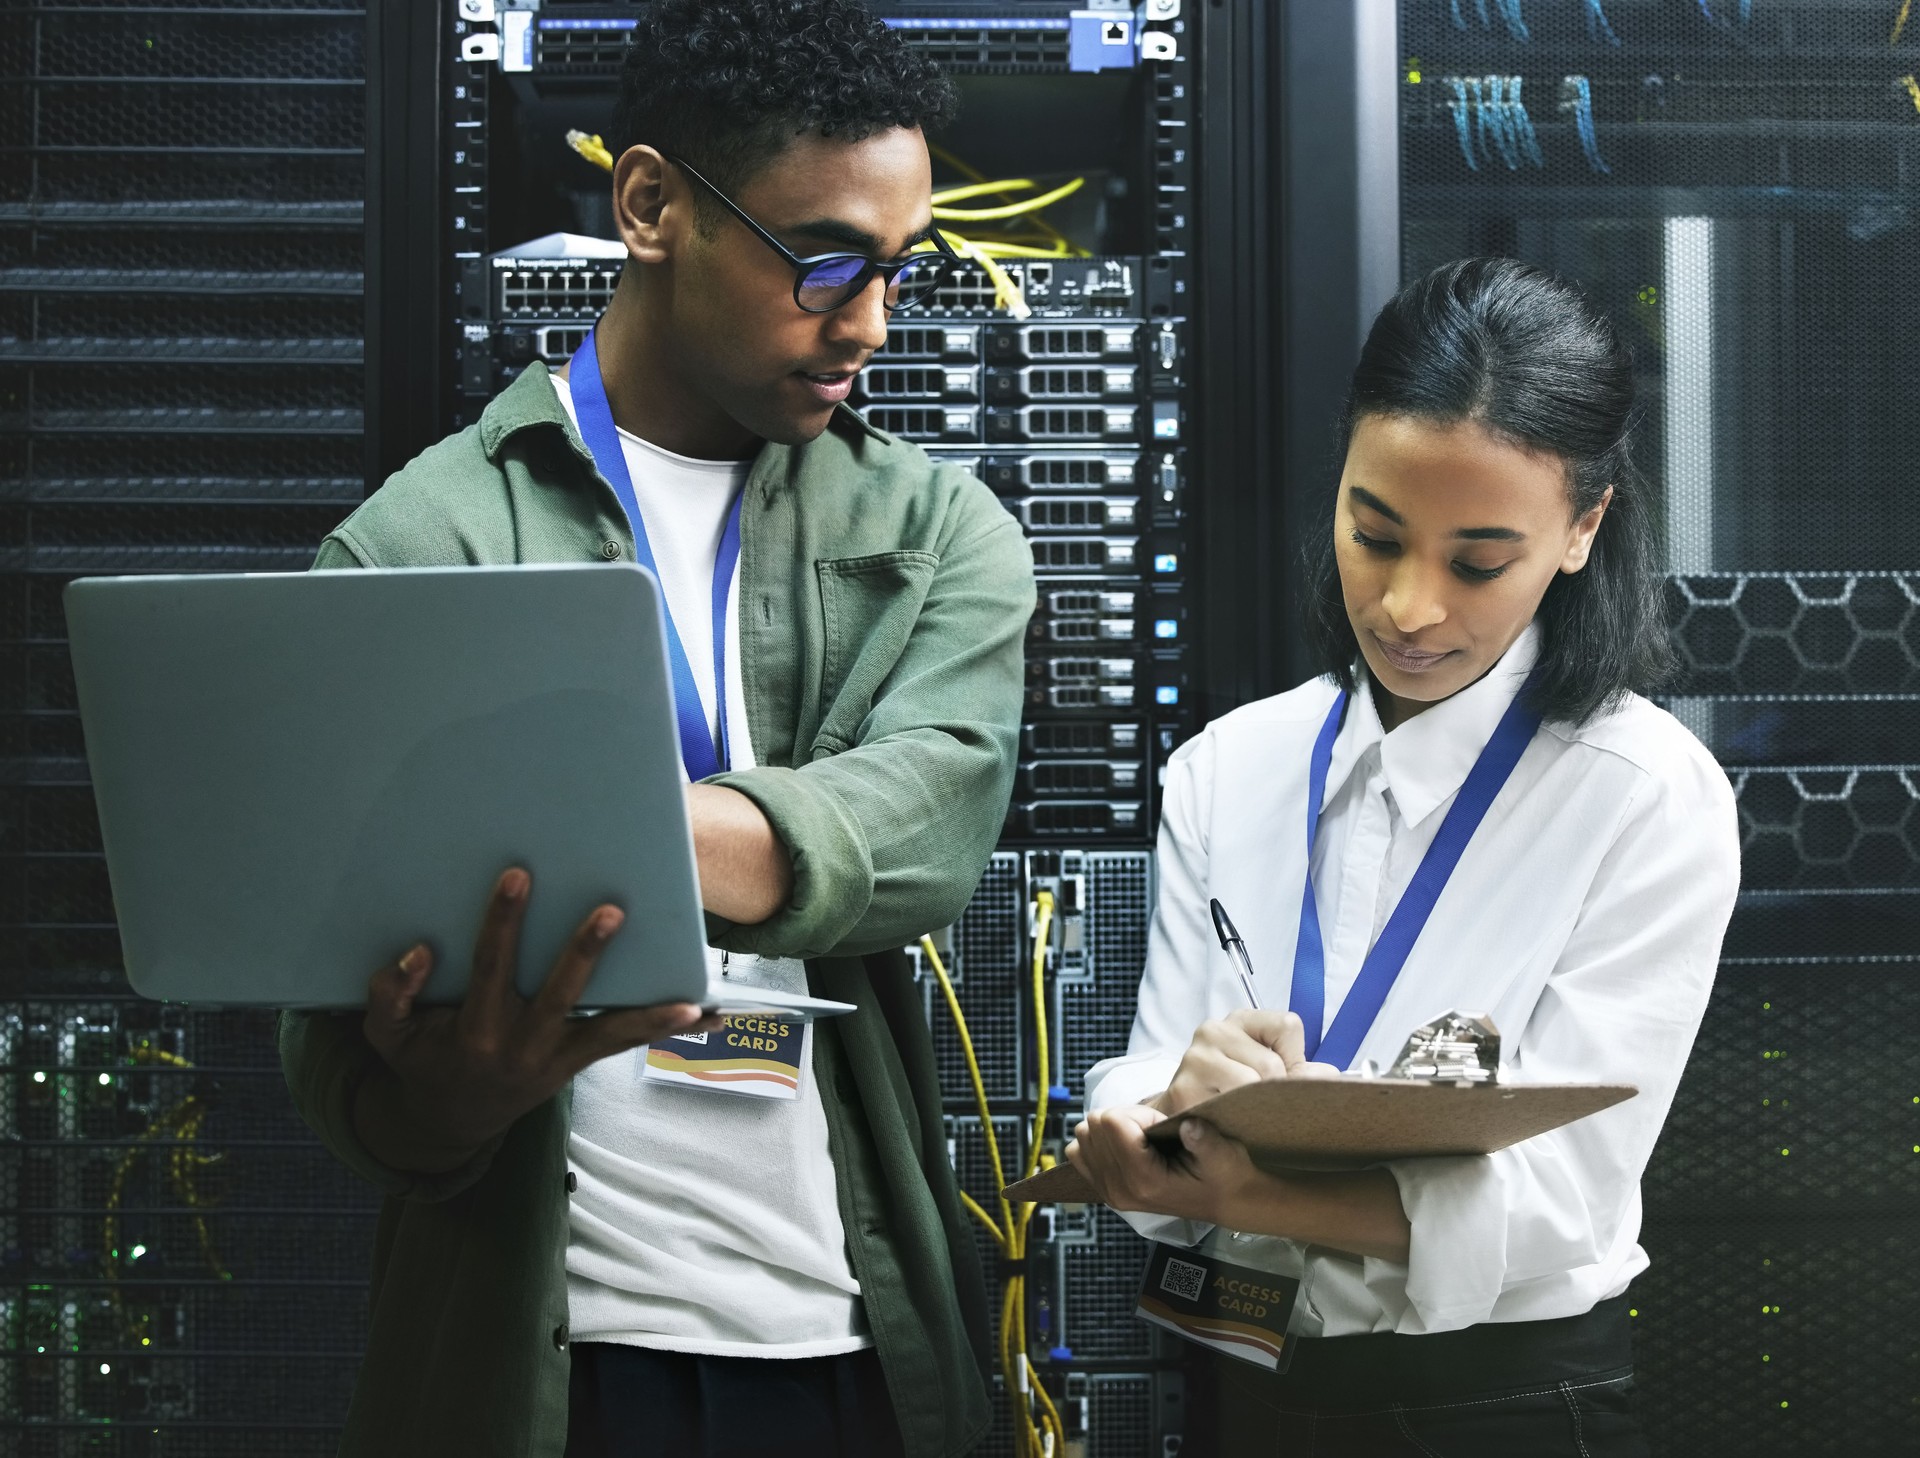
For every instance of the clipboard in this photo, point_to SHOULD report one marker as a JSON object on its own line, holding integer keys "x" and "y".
{"x": 1348, "y": 1123}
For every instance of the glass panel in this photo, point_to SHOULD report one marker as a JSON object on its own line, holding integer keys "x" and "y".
{"x": 1734, "y": 180}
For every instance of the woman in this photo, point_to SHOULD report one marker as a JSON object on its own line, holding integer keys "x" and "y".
{"x": 1489, "y": 578}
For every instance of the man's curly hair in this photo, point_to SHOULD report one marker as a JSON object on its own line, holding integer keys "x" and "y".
{"x": 729, "y": 84}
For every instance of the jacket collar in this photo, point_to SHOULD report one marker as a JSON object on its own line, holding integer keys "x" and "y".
{"x": 531, "y": 402}
{"x": 1427, "y": 759}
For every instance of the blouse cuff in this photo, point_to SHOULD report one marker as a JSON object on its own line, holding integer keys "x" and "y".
{"x": 1457, "y": 1257}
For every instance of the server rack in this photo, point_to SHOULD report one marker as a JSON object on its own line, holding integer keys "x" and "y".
{"x": 1735, "y": 183}
{"x": 182, "y": 1269}
{"x": 1123, "y": 423}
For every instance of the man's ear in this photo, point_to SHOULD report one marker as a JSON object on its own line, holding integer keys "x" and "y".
{"x": 1580, "y": 544}
{"x": 649, "y": 203}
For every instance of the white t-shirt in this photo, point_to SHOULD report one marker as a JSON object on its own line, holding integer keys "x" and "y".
{"x": 1585, "y": 915}
{"x": 704, "y": 1222}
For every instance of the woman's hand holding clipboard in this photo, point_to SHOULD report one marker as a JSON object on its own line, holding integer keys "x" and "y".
{"x": 1441, "y": 1097}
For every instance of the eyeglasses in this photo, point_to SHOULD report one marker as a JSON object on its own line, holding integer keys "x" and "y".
{"x": 825, "y": 281}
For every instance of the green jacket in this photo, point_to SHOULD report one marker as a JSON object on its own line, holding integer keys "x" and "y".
{"x": 883, "y": 601}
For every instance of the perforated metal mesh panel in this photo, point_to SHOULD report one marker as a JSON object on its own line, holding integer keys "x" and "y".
{"x": 1098, "y": 1012}
{"x": 1102, "y": 1282}
{"x": 988, "y": 981}
{"x": 182, "y": 1269}
{"x": 1733, "y": 183}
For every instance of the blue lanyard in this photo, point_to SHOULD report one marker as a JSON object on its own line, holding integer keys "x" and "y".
{"x": 1382, "y": 966}
{"x": 698, "y": 750}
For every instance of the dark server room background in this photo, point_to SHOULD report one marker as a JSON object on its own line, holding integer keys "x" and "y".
{"x": 254, "y": 255}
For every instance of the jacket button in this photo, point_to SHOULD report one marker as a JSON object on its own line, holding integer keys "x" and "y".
{"x": 610, "y": 550}
{"x": 560, "y": 1338}
{"x": 573, "y": 1182}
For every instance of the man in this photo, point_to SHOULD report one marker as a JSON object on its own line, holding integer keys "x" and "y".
{"x": 576, "y": 1255}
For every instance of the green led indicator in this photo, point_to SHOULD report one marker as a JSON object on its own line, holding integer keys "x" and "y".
{"x": 1785, "y": 1152}
{"x": 1765, "y": 1358}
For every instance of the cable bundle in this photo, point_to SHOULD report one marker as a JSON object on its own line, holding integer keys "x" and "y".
{"x": 1041, "y": 1434}
{"x": 1509, "y": 14}
{"x": 1489, "y": 117}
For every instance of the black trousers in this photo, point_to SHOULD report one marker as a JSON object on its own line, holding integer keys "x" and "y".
{"x": 625, "y": 1402}
{"x": 1522, "y": 1389}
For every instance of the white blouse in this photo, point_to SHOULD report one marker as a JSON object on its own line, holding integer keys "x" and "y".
{"x": 1585, "y": 916}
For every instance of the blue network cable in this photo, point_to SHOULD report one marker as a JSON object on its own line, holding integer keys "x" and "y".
{"x": 1461, "y": 123}
{"x": 1509, "y": 13}
{"x": 1500, "y": 124}
{"x": 1523, "y": 124}
{"x": 1577, "y": 93}
{"x": 1477, "y": 95}
{"x": 1597, "y": 25}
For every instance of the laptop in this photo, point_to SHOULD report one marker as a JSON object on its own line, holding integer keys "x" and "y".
{"x": 301, "y": 775}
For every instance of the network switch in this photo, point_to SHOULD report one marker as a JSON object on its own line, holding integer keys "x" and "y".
{"x": 1051, "y": 288}
{"x": 536, "y": 290}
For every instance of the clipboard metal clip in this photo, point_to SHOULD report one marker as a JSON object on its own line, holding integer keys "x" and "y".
{"x": 1461, "y": 1048}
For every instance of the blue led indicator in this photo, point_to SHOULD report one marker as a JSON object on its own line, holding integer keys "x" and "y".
{"x": 1166, "y": 628}
{"x": 1166, "y": 695}
{"x": 1166, "y": 562}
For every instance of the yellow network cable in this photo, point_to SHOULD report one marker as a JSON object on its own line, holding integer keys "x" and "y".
{"x": 1900, "y": 22}
{"x": 973, "y": 174}
{"x": 1046, "y": 1438}
{"x": 179, "y": 1124}
{"x": 1913, "y": 90}
{"x": 944, "y": 212}
{"x": 591, "y": 147}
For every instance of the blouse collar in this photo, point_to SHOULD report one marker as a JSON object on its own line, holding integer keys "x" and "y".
{"x": 1427, "y": 758}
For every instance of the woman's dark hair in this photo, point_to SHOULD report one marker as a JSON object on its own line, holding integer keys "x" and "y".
{"x": 729, "y": 84}
{"x": 1525, "y": 355}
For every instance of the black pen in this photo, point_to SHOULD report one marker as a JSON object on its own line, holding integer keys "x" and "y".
{"x": 1230, "y": 942}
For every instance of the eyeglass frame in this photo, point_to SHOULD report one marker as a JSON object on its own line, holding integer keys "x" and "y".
{"x": 803, "y": 266}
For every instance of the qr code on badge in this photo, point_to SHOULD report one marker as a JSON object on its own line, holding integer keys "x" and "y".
{"x": 690, "y": 1038}
{"x": 1184, "y": 1279}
